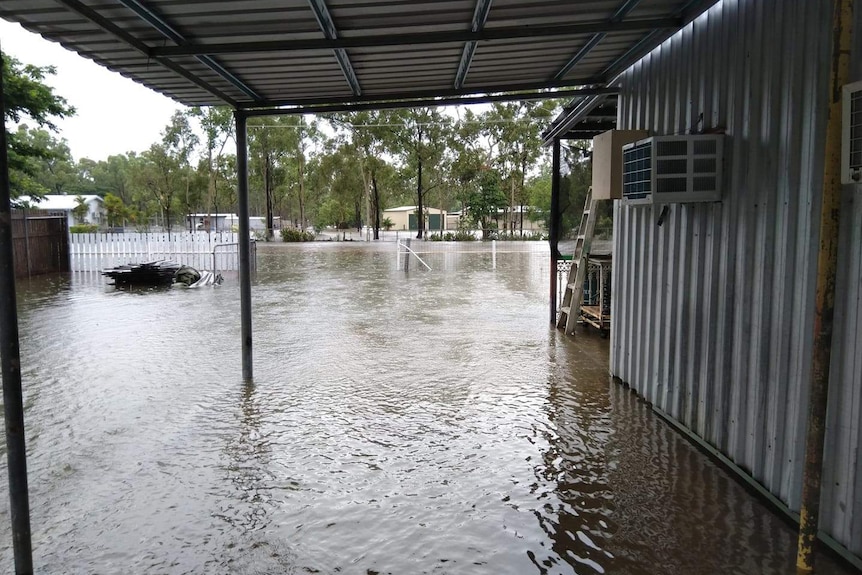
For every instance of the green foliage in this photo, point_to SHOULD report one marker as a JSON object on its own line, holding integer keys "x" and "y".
{"x": 534, "y": 236}
{"x": 26, "y": 96}
{"x": 296, "y": 235}
{"x": 484, "y": 202}
{"x": 80, "y": 210}
{"x": 84, "y": 229}
{"x": 115, "y": 210}
{"x": 387, "y": 223}
{"x": 458, "y": 236}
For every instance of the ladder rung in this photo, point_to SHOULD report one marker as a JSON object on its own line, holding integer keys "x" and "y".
{"x": 572, "y": 285}
{"x": 565, "y": 310}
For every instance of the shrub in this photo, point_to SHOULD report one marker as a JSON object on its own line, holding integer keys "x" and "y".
{"x": 295, "y": 235}
{"x": 464, "y": 236}
{"x": 84, "y": 229}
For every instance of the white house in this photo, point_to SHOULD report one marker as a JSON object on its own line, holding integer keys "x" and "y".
{"x": 67, "y": 203}
{"x": 228, "y": 221}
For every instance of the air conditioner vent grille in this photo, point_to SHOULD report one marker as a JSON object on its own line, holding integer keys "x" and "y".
{"x": 856, "y": 130}
{"x": 851, "y": 134}
{"x": 677, "y": 169}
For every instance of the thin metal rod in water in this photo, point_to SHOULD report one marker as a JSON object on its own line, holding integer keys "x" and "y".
{"x": 406, "y": 247}
{"x": 824, "y": 298}
{"x": 10, "y": 364}
{"x": 243, "y": 246}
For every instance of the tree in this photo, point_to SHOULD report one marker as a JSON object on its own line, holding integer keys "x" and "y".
{"x": 419, "y": 137}
{"x": 27, "y": 96}
{"x": 271, "y": 141}
{"x": 484, "y": 202}
{"x": 337, "y": 177}
{"x": 80, "y": 210}
{"x": 115, "y": 210}
{"x": 369, "y": 134}
{"x": 218, "y": 128}
{"x": 179, "y": 141}
{"x": 514, "y": 129}
{"x": 53, "y": 170}
{"x": 156, "y": 174}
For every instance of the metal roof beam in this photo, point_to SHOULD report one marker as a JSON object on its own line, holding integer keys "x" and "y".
{"x": 562, "y": 124}
{"x": 379, "y": 41}
{"x": 166, "y": 30}
{"x": 686, "y": 13}
{"x": 480, "y": 16}
{"x": 428, "y": 94}
{"x": 135, "y": 44}
{"x": 327, "y": 24}
{"x": 618, "y": 16}
{"x": 378, "y": 104}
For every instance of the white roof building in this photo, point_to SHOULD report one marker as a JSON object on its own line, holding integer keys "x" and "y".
{"x": 67, "y": 203}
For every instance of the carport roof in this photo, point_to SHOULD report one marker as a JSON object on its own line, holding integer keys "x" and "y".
{"x": 264, "y": 53}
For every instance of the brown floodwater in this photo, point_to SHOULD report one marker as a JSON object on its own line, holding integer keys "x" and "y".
{"x": 406, "y": 423}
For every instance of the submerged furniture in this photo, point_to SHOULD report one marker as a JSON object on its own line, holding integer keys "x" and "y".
{"x": 596, "y": 306}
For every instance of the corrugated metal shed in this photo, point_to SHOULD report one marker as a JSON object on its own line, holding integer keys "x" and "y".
{"x": 253, "y": 53}
{"x": 713, "y": 310}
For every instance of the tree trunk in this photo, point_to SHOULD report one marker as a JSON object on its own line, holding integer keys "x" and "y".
{"x": 420, "y": 220}
{"x": 267, "y": 184}
{"x": 512, "y": 206}
{"x": 301, "y": 169}
{"x": 375, "y": 205}
{"x": 523, "y": 178}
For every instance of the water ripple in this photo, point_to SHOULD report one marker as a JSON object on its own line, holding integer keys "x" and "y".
{"x": 398, "y": 423}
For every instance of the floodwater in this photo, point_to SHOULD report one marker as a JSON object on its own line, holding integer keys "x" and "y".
{"x": 406, "y": 423}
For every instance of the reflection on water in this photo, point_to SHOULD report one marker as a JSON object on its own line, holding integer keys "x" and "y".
{"x": 428, "y": 422}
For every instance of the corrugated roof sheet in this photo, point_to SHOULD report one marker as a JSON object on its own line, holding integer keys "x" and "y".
{"x": 251, "y": 53}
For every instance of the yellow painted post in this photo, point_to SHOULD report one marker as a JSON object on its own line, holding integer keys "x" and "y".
{"x": 827, "y": 264}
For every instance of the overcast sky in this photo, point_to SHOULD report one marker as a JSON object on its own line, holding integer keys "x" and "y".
{"x": 114, "y": 114}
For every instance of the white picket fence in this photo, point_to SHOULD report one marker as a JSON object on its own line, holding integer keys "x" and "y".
{"x": 201, "y": 250}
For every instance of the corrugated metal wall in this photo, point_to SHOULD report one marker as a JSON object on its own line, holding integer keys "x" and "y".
{"x": 713, "y": 310}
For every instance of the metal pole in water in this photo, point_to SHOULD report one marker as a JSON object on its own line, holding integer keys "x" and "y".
{"x": 244, "y": 248}
{"x": 554, "y": 229}
{"x": 407, "y": 256}
{"x": 398, "y": 255}
{"x": 827, "y": 266}
{"x": 493, "y": 254}
{"x": 10, "y": 364}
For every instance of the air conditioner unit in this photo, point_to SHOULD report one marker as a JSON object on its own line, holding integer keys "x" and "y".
{"x": 851, "y": 132}
{"x": 673, "y": 169}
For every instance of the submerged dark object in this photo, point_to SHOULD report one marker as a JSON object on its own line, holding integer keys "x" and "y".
{"x": 161, "y": 273}
{"x": 152, "y": 273}
{"x": 187, "y": 275}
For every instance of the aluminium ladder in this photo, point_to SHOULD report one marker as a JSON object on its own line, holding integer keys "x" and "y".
{"x": 570, "y": 310}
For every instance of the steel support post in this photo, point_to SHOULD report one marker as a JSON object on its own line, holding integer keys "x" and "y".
{"x": 244, "y": 242}
{"x": 827, "y": 265}
{"x": 554, "y": 229}
{"x": 10, "y": 363}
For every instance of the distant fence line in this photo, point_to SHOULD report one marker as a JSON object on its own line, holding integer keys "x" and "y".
{"x": 451, "y": 255}
{"x": 201, "y": 250}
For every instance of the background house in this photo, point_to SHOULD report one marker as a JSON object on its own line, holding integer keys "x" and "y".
{"x": 66, "y": 204}
{"x": 406, "y": 218}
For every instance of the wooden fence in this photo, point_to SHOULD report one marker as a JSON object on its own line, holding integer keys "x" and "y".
{"x": 201, "y": 250}
{"x": 40, "y": 242}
